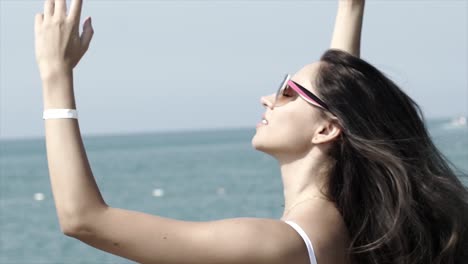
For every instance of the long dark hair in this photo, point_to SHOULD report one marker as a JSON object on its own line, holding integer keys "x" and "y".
{"x": 399, "y": 196}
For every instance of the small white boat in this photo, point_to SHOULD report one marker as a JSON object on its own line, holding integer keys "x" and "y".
{"x": 458, "y": 121}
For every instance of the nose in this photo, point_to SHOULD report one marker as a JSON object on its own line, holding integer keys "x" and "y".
{"x": 267, "y": 101}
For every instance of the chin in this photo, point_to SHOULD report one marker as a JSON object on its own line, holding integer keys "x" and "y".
{"x": 257, "y": 143}
{"x": 275, "y": 148}
{"x": 261, "y": 144}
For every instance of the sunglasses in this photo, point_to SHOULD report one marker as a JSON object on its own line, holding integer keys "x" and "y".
{"x": 289, "y": 89}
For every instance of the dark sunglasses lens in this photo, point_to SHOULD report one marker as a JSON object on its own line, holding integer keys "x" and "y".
{"x": 283, "y": 92}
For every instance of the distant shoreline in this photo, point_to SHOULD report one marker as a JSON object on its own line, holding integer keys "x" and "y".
{"x": 182, "y": 131}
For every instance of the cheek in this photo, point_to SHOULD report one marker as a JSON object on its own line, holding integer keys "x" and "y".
{"x": 299, "y": 120}
{"x": 297, "y": 130}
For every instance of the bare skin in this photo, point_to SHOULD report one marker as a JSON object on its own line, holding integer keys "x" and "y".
{"x": 84, "y": 215}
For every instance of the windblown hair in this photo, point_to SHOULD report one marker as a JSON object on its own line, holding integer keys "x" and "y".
{"x": 399, "y": 196}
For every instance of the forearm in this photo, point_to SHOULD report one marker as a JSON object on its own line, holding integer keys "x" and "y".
{"x": 348, "y": 26}
{"x": 73, "y": 185}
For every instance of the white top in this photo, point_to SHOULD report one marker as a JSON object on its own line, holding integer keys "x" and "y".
{"x": 306, "y": 239}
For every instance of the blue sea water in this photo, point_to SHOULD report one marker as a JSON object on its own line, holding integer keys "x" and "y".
{"x": 202, "y": 175}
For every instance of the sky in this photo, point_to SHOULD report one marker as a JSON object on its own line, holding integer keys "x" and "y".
{"x": 194, "y": 65}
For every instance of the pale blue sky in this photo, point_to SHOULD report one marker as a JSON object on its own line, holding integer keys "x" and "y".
{"x": 177, "y": 65}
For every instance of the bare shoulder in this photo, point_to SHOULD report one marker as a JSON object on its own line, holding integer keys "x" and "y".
{"x": 327, "y": 231}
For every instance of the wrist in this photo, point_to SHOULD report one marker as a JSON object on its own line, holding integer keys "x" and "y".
{"x": 59, "y": 100}
{"x": 52, "y": 73}
{"x": 57, "y": 89}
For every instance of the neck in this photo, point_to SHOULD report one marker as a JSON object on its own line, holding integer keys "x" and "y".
{"x": 305, "y": 177}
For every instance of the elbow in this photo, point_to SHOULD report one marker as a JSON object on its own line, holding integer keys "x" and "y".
{"x": 69, "y": 231}
{"x": 72, "y": 226}
{"x": 78, "y": 224}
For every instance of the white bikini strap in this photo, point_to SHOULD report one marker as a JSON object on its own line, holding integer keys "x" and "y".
{"x": 306, "y": 239}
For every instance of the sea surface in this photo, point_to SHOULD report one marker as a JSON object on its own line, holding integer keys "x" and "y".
{"x": 199, "y": 175}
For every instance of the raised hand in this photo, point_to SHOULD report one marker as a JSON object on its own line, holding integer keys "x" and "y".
{"x": 59, "y": 45}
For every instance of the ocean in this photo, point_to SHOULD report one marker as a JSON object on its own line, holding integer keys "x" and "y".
{"x": 196, "y": 176}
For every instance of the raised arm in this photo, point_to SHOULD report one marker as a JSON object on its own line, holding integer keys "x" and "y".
{"x": 82, "y": 212}
{"x": 59, "y": 47}
{"x": 348, "y": 26}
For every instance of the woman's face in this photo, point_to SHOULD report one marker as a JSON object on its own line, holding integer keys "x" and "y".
{"x": 290, "y": 128}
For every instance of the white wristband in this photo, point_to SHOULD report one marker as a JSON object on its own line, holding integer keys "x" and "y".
{"x": 60, "y": 113}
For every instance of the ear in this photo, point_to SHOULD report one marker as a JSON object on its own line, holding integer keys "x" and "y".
{"x": 328, "y": 131}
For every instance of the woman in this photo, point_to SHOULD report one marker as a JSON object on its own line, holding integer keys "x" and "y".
{"x": 363, "y": 183}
